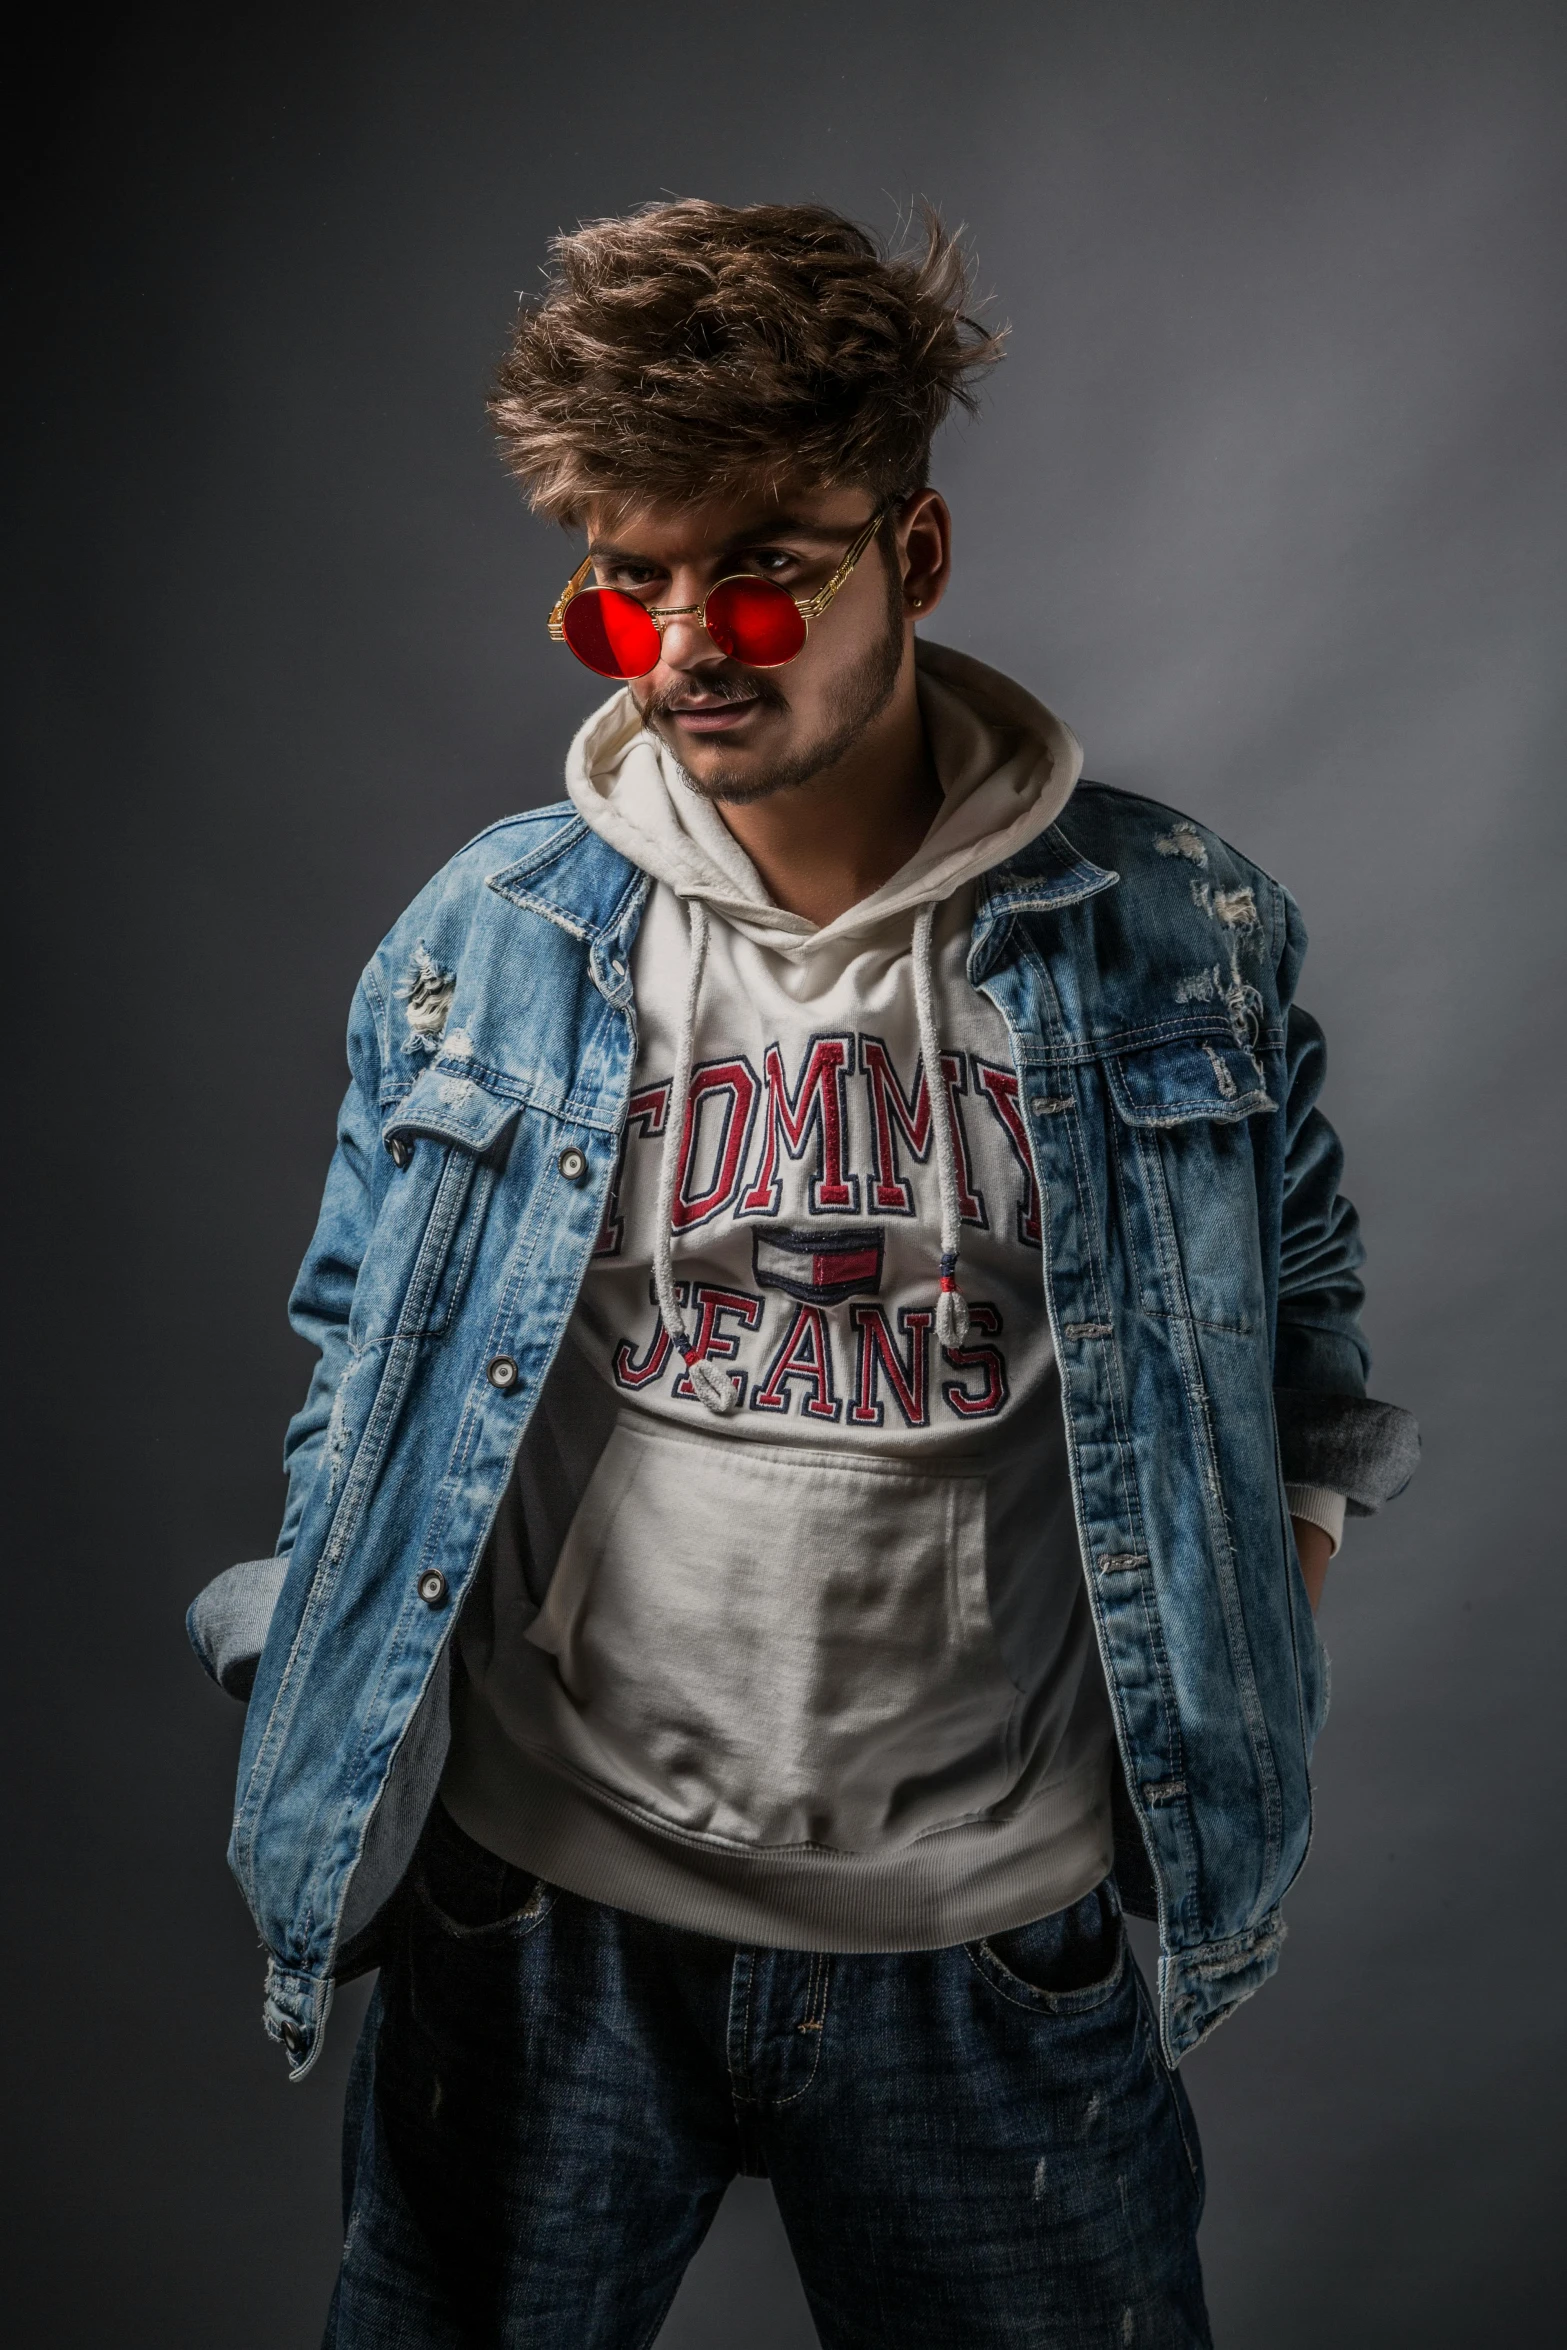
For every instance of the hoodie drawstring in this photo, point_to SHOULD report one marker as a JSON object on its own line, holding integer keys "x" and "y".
{"x": 951, "y": 1307}
{"x": 717, "y": 1389}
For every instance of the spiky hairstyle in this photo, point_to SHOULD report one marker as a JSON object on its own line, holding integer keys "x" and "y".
{"x": 693, "y": 348}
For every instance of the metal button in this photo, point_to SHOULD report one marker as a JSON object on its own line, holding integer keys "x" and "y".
{"x": 501, "y": 1373}
{"x": 432, "y": 1587}
{"x": 572, "y": 1163}
{"x": 291, "y": 2036}
{"x": 401, "y": 1151}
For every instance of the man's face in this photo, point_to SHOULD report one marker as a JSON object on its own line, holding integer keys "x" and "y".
{"x": 742, "y": 734}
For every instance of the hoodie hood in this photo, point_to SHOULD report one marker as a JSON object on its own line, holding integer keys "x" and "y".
{"x": 1006, "y": 765}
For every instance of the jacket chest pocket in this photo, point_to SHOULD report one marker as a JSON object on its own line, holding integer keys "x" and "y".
{"x": 446, "y": 1141}
{"x": 1187, "y": 1169}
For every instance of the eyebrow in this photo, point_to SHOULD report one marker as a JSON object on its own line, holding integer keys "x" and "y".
{"x": 779, "y": 526}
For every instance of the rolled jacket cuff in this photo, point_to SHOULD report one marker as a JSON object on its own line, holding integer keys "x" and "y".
{"x": 1319, "y": 1506}
{"x": 1350, "y": 1444}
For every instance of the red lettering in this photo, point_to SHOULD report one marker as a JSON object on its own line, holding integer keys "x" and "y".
{"x": 816, "y": 1105}
{"x": 988, "y": 1359}
{"x": 999, "y": 1086}
{"x": 631, "y": 1373}
{"x": 736, "y": 1083}
{"x": 878, "y": 1357}
{"x": 890, "y": 1107}
{"x": 646, "y": 1111}
{"x": 971, "y": 1205}
{"x": 710, "y": 1340}
{"x": 806, "y": 1354}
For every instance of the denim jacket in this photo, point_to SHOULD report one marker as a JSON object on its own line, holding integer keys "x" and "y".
{"x": 1201, "y": 1276}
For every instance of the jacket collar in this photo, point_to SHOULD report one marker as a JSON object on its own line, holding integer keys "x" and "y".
{"x": 582, "y": 885}
{"x": 1049, "y": 873}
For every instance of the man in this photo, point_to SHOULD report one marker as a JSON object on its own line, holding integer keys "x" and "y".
{"x": 831, "y": 1293}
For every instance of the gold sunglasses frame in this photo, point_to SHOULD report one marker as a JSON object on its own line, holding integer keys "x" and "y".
{"x": 809, "y": 607}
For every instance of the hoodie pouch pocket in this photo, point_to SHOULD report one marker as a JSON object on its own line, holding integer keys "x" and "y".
{"x": 778, "y": 1646}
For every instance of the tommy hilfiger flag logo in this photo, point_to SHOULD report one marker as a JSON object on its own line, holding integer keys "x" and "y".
{"x": 820, "y": 1268}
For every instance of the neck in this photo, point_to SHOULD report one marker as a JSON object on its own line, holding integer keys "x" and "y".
{"x": 822, "y": 846}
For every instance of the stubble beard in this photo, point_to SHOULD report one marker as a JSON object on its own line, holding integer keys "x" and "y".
{"x": 865, "y": 693}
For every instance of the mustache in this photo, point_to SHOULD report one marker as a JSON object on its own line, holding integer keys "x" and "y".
{"x": 752, "y": 688}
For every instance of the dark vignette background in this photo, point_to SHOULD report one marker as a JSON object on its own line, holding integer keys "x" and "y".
{"x": 1268, "y": 501}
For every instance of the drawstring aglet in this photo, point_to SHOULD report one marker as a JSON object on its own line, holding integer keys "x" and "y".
{"x": 716, "y": 1389}
{"x": 951, "y": 1305}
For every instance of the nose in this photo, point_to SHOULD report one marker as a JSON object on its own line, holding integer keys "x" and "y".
{"x": 687, "y": 646}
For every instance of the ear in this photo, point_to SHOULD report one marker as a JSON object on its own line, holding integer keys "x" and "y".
{"x": 924, "y": 544}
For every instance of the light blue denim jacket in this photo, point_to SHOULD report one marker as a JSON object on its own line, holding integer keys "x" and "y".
{"x": 1201, "y": 1275}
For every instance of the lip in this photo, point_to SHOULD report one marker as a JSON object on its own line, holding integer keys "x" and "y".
{"x": 714, "y": 717}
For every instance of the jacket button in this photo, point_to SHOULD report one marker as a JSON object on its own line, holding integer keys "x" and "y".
{"x": 291, "y": 2036}
{"x": 401, "y": 1151}
{"x": 432, "y": 1587}
{"x": 501, "y": 1373}
{"x": 572, "y": 1163}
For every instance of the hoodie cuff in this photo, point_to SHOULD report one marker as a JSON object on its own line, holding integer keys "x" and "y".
{"x": 1319, "y": 1506}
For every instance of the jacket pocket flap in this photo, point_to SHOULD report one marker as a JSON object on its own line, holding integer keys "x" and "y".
{"x": 1188, "y": 1078}
{"x": 451, "y": 1108}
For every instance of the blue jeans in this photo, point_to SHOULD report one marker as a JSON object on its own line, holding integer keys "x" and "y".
{"x": 972, "y": 2146}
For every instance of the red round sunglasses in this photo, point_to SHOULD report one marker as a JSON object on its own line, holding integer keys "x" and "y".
{"x": 751, "y": 620}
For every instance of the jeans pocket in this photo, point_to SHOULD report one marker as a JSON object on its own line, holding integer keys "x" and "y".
{"x": 1066, "y": 1964}
{"x": 469, "y": 1890}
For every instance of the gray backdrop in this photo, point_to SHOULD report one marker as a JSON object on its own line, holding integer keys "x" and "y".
{"x": 1267, "y": 501}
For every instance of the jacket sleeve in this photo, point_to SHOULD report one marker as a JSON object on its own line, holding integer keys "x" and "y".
{"x": 1331, "y": 1433}
{"x": 324, "y": 1292}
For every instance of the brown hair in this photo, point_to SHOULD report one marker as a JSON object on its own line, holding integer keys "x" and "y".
{"x": 689, "y": 348}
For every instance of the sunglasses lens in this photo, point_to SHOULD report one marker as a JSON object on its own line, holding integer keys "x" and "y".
{"x": 611, "y": 633}
{"x": 755, "y": 620}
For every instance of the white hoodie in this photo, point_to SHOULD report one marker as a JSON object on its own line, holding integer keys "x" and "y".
{"x": 787, "y": 1641}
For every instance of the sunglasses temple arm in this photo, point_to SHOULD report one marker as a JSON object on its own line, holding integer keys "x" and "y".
{"x": 557, "y": 622}
{"x": 816, "y": 605}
